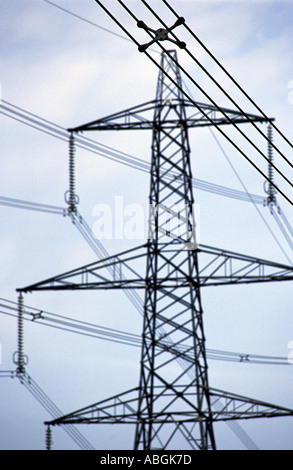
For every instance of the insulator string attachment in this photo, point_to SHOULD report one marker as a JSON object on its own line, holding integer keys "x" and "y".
{"x": 70, "y": 196}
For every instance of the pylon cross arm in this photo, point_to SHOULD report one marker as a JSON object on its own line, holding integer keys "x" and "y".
{"x": 161, "y": 34}
{"x": 124, "y": 408}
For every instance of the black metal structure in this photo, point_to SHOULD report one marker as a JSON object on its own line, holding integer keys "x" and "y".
{"x": 173, "y": 396}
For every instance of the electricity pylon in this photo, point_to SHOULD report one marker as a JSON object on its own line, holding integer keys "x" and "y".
{"x": 173, "y": 396}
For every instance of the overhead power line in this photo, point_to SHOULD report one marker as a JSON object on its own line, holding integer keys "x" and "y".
{"x": 42, "y": 317}
{"x": 54, "y": 130}
{"x": 46, "y": 402}
{"x": 92, "y": 23}
{"x": 228, "y": 74}
{"x": 197, "y": 62}
{"x": 283, "y": 224}
{"x": 212, "y": 101}
{"x": 255, "y": 205}
{"x": 192, "y": 101}
{"x": 225, "y": 93}
{"x": 32, "y": 206}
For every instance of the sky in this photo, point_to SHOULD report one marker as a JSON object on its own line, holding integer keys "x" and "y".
{"x": 71, "y": 71}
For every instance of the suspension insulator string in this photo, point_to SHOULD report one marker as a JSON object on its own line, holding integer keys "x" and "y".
{"x": 19, "y": 358}
{"x": 20, "y": 333}
{"x": 49, "y": 441}
{"x": 70, "y": 196}
{"x": 269, "y": 187}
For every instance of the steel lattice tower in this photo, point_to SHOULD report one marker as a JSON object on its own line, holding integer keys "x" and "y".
{"x": 173, "y": 396}
{"x": 171, "y": 248}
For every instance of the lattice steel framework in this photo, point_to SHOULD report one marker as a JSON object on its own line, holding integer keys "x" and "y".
{"x": 164, "y": 388}
{"x": 173, "y": 396}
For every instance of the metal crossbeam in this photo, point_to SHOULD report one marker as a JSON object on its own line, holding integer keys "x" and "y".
{"x": 122, "y": 409}
{"x": 217, "y": 267}
{"x": 141, "y": 117}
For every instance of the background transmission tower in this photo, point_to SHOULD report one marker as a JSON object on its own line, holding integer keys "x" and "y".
{"x": 173, "y": 399}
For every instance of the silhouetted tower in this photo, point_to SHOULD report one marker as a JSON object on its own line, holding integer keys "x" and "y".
{"x": 173, "y": 399}
{"x": 172, "y": 255}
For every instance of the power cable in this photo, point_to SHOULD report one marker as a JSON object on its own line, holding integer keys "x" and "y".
{"x": 4, "y": 374}
{"x": 238, "y": 430}
{"x": 71, "y": 325}
{"x": 65, "y": 10}
{"x": 282, "y": 228}
{"x": 229, "y": 75}
{"x": 53, "y": 410}
{"x": 286, "y": 221}
{"x": 102, "y": 253}
{"x": 252, "y": 200}
{"x": 33, "y": 126}
{"x": 46, "y": 402}
{"x": 33, "y": 206}
{"x": 92, "y": 23}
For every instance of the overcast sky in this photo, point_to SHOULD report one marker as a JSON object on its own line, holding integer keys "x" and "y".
{"x": 70, "y": 72}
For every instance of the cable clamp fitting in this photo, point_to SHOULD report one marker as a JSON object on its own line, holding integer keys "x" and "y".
{"x": 161, "y": 34}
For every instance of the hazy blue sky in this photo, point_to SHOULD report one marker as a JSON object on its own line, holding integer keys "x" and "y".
{"x": 71, "y": 72}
